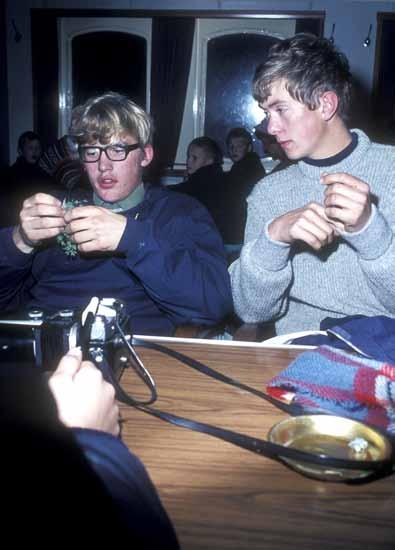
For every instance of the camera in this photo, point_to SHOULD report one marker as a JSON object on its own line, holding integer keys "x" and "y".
{"x": 42, "y": 339}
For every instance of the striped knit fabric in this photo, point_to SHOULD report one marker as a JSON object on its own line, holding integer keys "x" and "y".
{"x": 330, "y": 380}
{"x": 54, "y": 154}
{"x": 60, "y": 160}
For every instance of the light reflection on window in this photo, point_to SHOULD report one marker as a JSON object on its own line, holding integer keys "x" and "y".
{"x": 231, "y": 63}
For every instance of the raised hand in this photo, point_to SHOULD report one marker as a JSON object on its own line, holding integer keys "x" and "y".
{"x": 41, "y": 218}
{"x": 309, "y": 224}
{"x": 94, "y": 228}
{"x": 347, "y": 201}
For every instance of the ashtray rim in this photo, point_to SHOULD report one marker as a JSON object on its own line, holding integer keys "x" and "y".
{"x": 329, "y": 473}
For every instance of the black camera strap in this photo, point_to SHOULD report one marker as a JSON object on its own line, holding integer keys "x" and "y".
{"x": 255, "y": 445}
{"x": 98, "y": 353}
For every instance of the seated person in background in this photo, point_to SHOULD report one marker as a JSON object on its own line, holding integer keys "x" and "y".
{"x": 29, "y": 151}
{"x": 22, "y": 179}
{"x": 204, "y": 174}
{"x": 246, "y": 170}
{"x": 156, "y": 250}
{"x": 272, "y": 149}
{"x": 320, "y": 234}
{"x": 65, "y": 473}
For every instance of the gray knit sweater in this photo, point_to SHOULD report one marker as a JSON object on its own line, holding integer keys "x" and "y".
{"x": 297, "y": 286}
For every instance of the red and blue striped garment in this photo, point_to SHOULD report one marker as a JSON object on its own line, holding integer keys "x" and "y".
{"x": 329, "y": 380}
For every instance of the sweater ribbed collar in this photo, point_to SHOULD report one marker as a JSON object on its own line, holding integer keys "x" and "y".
{"x": 335, "y": 159}
{"x": 347, "y": 163}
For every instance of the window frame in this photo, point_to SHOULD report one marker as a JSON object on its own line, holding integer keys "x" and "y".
{"x": 378, "y": 129}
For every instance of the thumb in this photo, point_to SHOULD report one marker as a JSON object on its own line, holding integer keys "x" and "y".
{"x": 70, "y": 363}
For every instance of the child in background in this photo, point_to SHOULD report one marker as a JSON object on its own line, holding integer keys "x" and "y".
{"x": 204, "y": 174}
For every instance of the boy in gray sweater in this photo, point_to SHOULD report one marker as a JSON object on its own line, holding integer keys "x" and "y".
{"x": 319, "y": 239}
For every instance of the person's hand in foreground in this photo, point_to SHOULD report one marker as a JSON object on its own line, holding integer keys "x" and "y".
{"x": 84, "y": 399}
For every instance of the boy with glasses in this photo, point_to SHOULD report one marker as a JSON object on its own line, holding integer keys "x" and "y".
{"x": 157, "y": 251}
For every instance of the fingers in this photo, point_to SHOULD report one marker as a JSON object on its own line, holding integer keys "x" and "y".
{"x": 84, "y": 223}
{"x": 100, "y": 396}
{"x": 83, "y": 398}
{"x": 338, "y": 226}
{"x": 347, "y": 200}
{"x": 343, "y": 190}
{"x": 41, "y": 217}
{"x": 342, "y": 208}
{"x": 90, "y": 376}
{"x": 83, "y": 212}
{"x": 43, "y": 227}
{"x": 308, "y": 224}
{"x": 94, "y": 228}
{"x": 114, "y": 420}
{"x": 86, "y": 234}
{"x": 40, "y": 205}
{"x": 77, "y": 225}
{"x": 36, "y": 210}
{"x": 312, "y": 227}
{"x": 41, "y": 198}
{"x": 70, "y": 363}
{"x": 346, "y": 208}
{"x": 345, "y": 179}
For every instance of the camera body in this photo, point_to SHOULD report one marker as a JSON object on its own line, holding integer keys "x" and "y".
{"x": 42, "y": 339}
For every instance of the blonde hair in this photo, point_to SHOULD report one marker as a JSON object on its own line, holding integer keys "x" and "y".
{"x": 110, "y": 114}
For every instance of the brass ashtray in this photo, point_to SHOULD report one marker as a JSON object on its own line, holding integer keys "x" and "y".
{"x": 332, "y": 436}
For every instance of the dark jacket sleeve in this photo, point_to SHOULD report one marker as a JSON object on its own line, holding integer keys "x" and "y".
{"x": 84, "y": 484}
{"x": 15, "y": 272}
{"x": 178, "y": 255}
{"x": 130, "y": 487}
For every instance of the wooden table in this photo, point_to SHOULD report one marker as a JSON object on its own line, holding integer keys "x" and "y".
{"x": 222, "y": 497}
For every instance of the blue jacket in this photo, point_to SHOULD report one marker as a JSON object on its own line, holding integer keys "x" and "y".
{"x": 130, "y": 487}
{"x": 169, "y": 269}
{"x": 82, "y": 485}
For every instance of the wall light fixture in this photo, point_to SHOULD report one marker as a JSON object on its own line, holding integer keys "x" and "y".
{"x": 332, "y": 36}
{"x": 366, "y": 42}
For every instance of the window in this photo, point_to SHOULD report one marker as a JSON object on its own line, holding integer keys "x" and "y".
{"x": 383, "y": 128}
{"x": 225, "y": 55}
{"x": 102, "y": 54}
{"x": 211, "y": 91}
{"x": 231, "y": 62}
{"x": 101, "y": 62}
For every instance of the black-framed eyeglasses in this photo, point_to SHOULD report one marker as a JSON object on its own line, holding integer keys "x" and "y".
{"x": 93, "y": 153}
